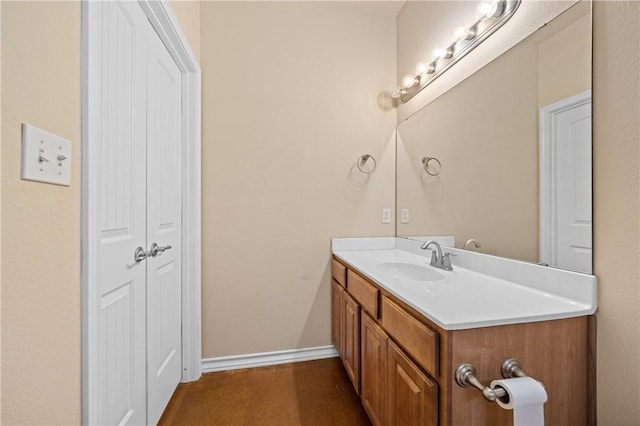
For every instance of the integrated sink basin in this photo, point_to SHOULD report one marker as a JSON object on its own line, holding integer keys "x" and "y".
{"x": 409, "y": 271}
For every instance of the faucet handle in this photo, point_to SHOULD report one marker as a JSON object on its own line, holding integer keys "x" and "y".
{"x": 446, "y": 261}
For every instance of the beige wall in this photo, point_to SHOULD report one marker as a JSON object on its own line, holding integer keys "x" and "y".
{"x": 289, "y": 103}
{"x": 564, "y": 59}
{"x": 488, "y": 186}
{"x": 188, "y": 14}
{"x": 40, "y": 222}
{"x": 616, "y": 111}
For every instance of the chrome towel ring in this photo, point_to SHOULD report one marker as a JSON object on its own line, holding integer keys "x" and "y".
{"x": 432, "y": 166}
{"x": 362, "y": 161}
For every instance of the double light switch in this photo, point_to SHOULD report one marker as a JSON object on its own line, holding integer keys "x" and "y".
{"x": 45, "y": 156}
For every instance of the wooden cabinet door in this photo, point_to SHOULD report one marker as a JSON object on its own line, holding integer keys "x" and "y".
{"x": 351, "y": 339}
{"x": 374, "y": 371}
{"x": 336, "y": 317}
{"x": 412, "y": 396}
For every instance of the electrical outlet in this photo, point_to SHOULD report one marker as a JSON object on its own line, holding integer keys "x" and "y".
{"x": 404, "y": 215}
{"x": 45, "y": 157}
{"x": 386, "y": 215}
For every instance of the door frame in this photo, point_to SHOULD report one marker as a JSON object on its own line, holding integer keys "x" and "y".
{"x": 166, "y": 25}
{"x": 548, "y": 180}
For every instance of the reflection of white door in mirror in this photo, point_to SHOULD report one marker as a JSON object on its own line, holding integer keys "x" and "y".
{"x": 565, "y": 183}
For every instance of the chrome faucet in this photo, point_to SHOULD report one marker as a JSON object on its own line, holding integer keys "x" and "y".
{"x": 438, "y": 259}
{"x": 471, "y": 241}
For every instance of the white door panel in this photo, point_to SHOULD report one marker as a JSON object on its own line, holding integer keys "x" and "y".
{"x": 574, "y": 189}
{"x": 565, "y": 186}
{"x": 121, "y": 211}
{"x": 164, "y": 221}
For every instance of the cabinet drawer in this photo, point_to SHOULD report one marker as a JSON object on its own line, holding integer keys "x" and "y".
{"x": 416, "y": 338}
{"x": 365, "y": 293}
{"x": 339, "y": 272}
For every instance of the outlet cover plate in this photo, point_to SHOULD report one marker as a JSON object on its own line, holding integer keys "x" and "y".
{"x": 404, "y": 215}
{"x": 386, "y": 215}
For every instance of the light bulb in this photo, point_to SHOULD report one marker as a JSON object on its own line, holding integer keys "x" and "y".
{"x": 397, "y": 92}
{"x": 422, "y": 68}
{"x": 439, "y": 53}
{"x": 462, "y": 33}
{"x": 491, "y": 9}
{"x": 408, "y": 81}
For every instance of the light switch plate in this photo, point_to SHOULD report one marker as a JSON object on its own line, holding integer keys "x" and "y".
{"x": 45, "y": 156}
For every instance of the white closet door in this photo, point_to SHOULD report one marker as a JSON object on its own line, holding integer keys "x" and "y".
{"x": 163, "y": 228}
{"x": 119, "y": 380}
{"x": 573, "y": 171}
{"x": 565, "y": 184}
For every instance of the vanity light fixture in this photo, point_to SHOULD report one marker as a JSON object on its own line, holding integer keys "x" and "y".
{"x": 491, "y": 15}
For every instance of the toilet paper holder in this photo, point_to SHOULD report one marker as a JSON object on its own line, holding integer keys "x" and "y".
{"x": 466, "y": 377}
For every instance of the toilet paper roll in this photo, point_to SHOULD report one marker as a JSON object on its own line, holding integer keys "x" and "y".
{"x": 526, "y": 398}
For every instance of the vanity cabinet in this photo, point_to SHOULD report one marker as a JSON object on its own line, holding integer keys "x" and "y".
{"x": 403, "y": 364}
{"x": 373, "y": 392}
{"x": 393, "y": 389}
{"x": 336, "y": 317}
{"x": 338, "y": 284}
{"x": 419, "y": 341}
{"x": 412, "y": 397}
{"x": 351, "y": 339}
{"x": 345, "y": 324}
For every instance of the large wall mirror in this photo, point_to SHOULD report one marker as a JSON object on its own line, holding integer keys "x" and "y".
{"x": 504, "y": 157}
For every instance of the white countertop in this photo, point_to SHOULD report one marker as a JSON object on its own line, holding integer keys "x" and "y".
{"x": 496, "y": 291}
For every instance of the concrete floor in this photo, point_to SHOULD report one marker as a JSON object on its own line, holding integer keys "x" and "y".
{"x": 313, "y": 393}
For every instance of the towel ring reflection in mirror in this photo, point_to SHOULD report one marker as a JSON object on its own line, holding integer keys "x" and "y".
{"x": 432, "y": 166}
{"x": 362, "y": 164}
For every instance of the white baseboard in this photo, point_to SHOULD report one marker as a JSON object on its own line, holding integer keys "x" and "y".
{"x": 236, "y": 362}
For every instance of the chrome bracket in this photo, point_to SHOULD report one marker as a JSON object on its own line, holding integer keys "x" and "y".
{"x": 512, "y": 368}
{"x": 466, "y": 377}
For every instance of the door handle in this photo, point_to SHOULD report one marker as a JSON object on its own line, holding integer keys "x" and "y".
{"x": 139, "y": 255}
{"x": 157, "y": 250}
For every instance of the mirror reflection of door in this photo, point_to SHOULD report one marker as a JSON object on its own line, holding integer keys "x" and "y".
{"x": 565, "y": 184}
